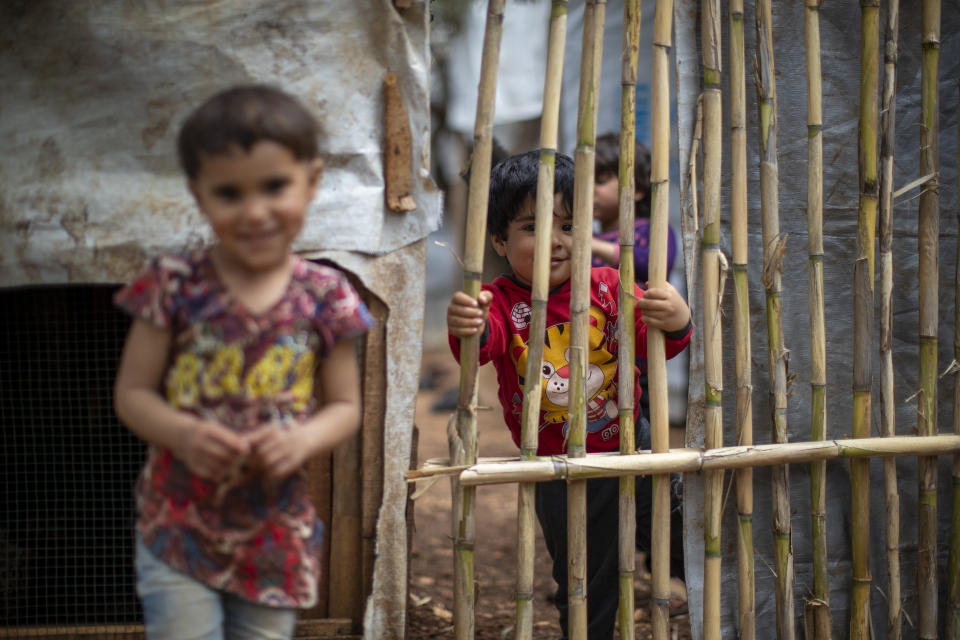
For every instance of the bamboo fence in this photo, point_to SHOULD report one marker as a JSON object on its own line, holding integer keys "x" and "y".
{"x": 714, "y": 275}
{"x": 627, "y": 526}
{"x": 928, "y": 237}
{"x": 463, "y": 439}
{"x": 773, "y": 249}
{"x": 875, "y": 209}
{"x": 746, "y": 602}
{"x": 530, "y": 412}
{"x": 863, "y": 278}
{"x": 657, "y": 277}
{"x": 817, "y": 612}
{"x": 594, "y": 14}
{"x": 885, "y": 232}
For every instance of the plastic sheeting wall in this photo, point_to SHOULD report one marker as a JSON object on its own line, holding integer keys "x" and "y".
{"x": 839, "y": 24}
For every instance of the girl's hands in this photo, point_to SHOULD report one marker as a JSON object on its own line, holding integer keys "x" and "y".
{"x": 466, "y": 316}
{"x": 211, "y": 450}
{"x": 278, "y": 453}
{"x": 664, "y": 308}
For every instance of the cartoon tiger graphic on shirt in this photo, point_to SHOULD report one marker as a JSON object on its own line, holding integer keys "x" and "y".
{"x": 600, "y": 381}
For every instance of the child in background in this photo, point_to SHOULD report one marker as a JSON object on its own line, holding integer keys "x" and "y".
{"x": 239, "y": 367}
{"x": 606, "y": 211}
{"x": 606, "y": 208}
{"x": 500, "y": 315}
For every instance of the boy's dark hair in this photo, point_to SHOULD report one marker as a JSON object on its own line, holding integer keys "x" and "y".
{"x": 607, "y": 163}
{"x": 514, "y": 180}
{"x": 243, "y": 116}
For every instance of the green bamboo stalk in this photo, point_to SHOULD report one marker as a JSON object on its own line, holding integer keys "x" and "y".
{"x": 532, "y": 390}
{"x": 777, "y": 353}
{"x": 463, "y": 443}
{"x": 953, "y": 621}
{"x": 657, "y": 277}
{"x": 741, "y": 319}
{"x": 625, "y": 333}
{"x": 928, "y": 234}
{"x": 712, "y": 259}
{"x": 818, "y": 607}
{"x": 593, "y": 19}
{"x": 885, "y": 233}
{"x": 863, "y": 317}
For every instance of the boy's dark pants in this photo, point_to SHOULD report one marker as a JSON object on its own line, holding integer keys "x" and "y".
{"x": 603, "y": 513}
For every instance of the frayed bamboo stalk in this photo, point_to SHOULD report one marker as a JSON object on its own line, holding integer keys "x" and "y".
{"x": 593, "y": 18}
{"x": 463, "y": 440}
{"x": 863, "y": 318}
{"x": 656, "y": 354}
{"x": 713, "y": 264}
{"x": 607, "y": 465}
{"x": 817, "y": 607}
{"x": 627, "y": 526}
{"x": 532, "y": 390}
{"x": 953, "y": 593}
{"x": 885, "y": 232}
{"x": 928, "y": 237}
{"x": 741, "y": 319}
{"x": 777, "y": 353}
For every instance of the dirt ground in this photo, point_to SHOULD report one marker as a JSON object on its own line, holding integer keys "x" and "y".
{"x": 431, "y": 586}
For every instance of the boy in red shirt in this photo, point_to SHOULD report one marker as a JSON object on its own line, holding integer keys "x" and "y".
{"x": 501, "y": 314}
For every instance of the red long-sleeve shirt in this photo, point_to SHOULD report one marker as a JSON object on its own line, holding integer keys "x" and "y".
{"x": 505, "y": 344}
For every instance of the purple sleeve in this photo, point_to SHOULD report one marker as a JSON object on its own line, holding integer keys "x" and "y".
{"x": 641, "y": 249}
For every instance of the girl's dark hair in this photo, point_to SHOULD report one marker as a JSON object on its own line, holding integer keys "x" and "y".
{"x": 243, "y": 116}
{"x": 514, "y": 180}
{"x": 607, "y": 163}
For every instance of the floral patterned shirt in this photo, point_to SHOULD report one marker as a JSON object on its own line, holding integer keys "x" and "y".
{"x": 255, "y": 538}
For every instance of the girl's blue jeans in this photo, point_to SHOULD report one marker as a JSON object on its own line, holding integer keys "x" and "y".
{"x": 177, "y": 607}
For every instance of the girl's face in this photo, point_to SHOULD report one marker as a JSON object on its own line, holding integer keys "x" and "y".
{"x": 606, "y": 201}
{"x": 519, "y": 244}
{"x": 256, "y": 202}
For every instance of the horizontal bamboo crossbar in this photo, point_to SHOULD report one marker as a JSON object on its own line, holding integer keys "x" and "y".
{"x": 608, "y": 465}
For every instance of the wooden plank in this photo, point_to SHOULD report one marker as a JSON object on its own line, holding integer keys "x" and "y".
{"x": 319, "y": 485}
{"x": 374, "y": 417}
{"x": 346, "y": 600}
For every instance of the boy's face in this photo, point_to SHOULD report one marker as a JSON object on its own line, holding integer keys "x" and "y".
{"x": 518, "y": 245}
{"x": 256, "y": 202}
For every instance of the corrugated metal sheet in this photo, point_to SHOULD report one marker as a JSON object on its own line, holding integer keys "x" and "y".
{"x": 94, "y": 93}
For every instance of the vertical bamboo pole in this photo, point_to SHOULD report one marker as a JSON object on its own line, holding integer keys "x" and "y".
{"x": 928, "y": 234}
{"x": 656, "y": 354}
{"x": 863, "y": 317}
{"x": 532, "y": 390}
{"x": 741, "y": 318}
{"x": 885, "y": 233}
{"x": 713, "y": 275}
{"x": 773, "y": 247}
{"x": 818, "y": 607}
{"x": 953, "y": 621}
{"x": 625, "y": 332}
{"x": 593, "y": 18}
{"x": 464, "y": 443}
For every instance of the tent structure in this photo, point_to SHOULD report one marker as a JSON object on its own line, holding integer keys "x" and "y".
{"x": 93, "y": 95}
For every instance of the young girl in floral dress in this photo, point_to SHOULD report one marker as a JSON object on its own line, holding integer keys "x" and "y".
{"x": 240, "y": 366}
